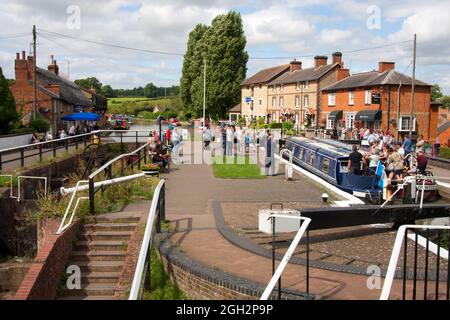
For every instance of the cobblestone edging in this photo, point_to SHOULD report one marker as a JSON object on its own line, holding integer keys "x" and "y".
{"x": 199, "y": 281}
{"x": 243, "y": 243}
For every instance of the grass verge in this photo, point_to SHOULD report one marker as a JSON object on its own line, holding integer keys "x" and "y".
{"x": 236, "y": 168}
{"x": 162, "y": 287}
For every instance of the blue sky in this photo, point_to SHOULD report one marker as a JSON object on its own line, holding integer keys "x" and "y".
{"x": 286, "y": 28}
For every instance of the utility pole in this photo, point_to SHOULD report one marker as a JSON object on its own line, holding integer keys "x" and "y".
{"x": 204, "y": 92}
{"x": 412, "y": 88}
{"x": 34, "y": 73}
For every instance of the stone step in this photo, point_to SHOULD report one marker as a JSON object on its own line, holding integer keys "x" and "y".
{"x": 117, "y": 217}
{"x": 98, "y": 255}
{"x": 93, "y": 289}
{"x": 98, "y": 266}
{"x": 104, "y": 235}
{"x": 109, "y": 227}
{"x": 101, "y": 245}
{"x": 100, "y": 277}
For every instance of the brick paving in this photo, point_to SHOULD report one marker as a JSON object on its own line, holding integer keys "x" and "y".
{"x": 191, "y": 191}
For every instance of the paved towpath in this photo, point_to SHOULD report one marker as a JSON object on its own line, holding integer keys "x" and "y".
{"x": 191, "y": 190}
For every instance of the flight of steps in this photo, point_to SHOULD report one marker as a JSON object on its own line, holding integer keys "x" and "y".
{"x": 100, "y": 251}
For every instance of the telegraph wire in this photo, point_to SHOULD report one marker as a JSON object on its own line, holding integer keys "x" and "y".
{"x": 63, "y": 36}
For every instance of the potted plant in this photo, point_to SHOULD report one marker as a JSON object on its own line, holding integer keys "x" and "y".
{"x": 151, "y": 169}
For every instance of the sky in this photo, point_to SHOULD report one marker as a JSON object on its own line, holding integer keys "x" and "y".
{"x": 284, "y": 29}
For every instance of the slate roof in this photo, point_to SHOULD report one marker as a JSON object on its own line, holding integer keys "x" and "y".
{"x": 236, "y": 108}
{"x": 266, "y": 75}
{"x": 444, "y": 127}
{"x": 309, "y": 74}
{"x": 374, "y": 78}
{"x": 69, "y": 91}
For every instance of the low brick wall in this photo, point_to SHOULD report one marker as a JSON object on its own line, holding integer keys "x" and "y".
{"x": 42, "y": 279}
{"x": 201, "y": 282}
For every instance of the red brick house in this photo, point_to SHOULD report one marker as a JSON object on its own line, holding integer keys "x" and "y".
{"x": 56, "y": 96}
{"x": 380, "y": 100}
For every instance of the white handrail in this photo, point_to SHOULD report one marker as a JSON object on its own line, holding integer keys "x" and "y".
{"x": 387, "y": 285}
{"x": 108, "y": 182}
{"x": 30, "y": 177}
{"x": 288, "y": 254}
{"x": 92, "y": 175}
{"x": 146, "y": 244}
{"x": 62, "y": 226}
{"x": 11, "y": 183}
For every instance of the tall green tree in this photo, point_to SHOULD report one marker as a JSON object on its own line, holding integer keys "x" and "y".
{"x": 108, "y": 91}
{"x": 223, "y": 47}
{"x": 8, "y": 112}
{"x": 191, "y": 69}
{"x": 88, "y": 83}
{"x": 436, "y": 92}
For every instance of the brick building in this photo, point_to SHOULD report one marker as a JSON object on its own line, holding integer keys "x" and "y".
{"x": 295, "y": 95}
{"x": 380, "y": 100}
{"x": 55, "y": 96}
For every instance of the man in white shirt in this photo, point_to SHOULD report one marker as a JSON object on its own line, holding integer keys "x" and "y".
{"x": 72, "y": 130}
{"x": 230, "y": 140}
{"x": 239, "y": 136}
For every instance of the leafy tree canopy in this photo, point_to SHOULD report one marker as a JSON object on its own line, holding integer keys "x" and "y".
{"x": 8, "y": 112}
{"x": 88, "y": 83}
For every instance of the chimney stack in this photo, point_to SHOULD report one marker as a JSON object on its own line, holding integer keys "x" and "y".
{"x": 295, "y": 65}
{"x": 384, "y": 66}
{"x": 337, "y": 58}
{"x": 53, "y": 66}
{"x": 320, "y": 61}
{"x": 342, "y": 73}
{"x": 21, "y": 68}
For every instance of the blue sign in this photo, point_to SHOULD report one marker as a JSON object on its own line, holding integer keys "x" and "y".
{"x": 248, "y": 99}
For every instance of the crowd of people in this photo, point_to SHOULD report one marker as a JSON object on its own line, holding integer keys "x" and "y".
{"x": 234, "y": 139}
{"x": 398, "y": 158}
{"x": 73, "y": 131}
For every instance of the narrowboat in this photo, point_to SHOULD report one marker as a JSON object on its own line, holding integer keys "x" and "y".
{"x": 328, "y": 159}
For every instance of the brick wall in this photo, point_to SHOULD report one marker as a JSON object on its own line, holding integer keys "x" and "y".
{"x": 42, "y": 279}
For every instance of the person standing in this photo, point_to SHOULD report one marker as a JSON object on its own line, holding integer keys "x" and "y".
{"x": 239, "y": 136}
{"x": 354, "y": 161}
{"x": 206, "y": 137}
{"x": 72, "y": 130}
{"x": 407, "y": 145}
{"x": 230, "y": 140}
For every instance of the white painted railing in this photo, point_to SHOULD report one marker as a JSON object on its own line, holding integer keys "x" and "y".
{"x": 80, "y": 187}
{"x": 146, "y": 244}
{"x": 387, "y": 285}
{"x": 289, "y": 252}
{"x": 11, "y": 183}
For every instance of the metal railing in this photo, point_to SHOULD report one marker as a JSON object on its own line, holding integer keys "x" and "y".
{"x": 276, "y": 274}
{"x": 141, "y": 279}
{"x": 39, "y": 149}
{"x": 19, "y": 178}
{"x": 401, "y": 239}
{"x": 109, "y": 167}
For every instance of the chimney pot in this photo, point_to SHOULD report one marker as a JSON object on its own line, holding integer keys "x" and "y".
{"x": 17, "y": 56}
{"x": 23, "y": 55}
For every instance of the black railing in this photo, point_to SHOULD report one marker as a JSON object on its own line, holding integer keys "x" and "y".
{"x": 431, "y": 270}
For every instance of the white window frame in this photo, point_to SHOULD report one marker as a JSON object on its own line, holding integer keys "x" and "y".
{"x": 298, "y": 86}
{"x": 281, "y": 102}
{"x": 306, "y": 101}
{"x": 351, "y": 98}
{"x": 368, "y": 97}
{"x": 332, "y": 99}
{"x": 306, "y": 85}
{"x": 400, "y": 126}
{"x": 330, "y": 123}
{"x": 281, "y": 87}
{"x": 274, "y": 102}
{"x": 297, "y": 101}
{"x": 350, "y": 120}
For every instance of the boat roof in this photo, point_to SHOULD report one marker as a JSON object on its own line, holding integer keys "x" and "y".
{"x": 329, "y": 147}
